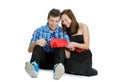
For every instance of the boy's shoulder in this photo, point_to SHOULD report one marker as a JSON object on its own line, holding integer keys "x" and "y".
{"x": 59, "y": 27}
{"x": 41, "y": 27}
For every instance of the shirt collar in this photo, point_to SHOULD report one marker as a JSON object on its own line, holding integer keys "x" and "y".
{"x": 48, "y": 28}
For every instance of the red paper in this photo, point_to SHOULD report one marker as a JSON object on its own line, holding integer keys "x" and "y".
{"x": 57, "y": 43}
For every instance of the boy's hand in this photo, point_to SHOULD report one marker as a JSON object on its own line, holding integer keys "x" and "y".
{"x": 41, "y": 42}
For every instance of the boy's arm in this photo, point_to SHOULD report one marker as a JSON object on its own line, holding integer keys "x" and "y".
{"x": 66, "y": 37}
{"x": 36, "y": 36}
{"x": 30, "y": 48}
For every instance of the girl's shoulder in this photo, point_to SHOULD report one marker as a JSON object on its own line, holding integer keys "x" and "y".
{"x": 82, "y": 25}
{"x": 82, "y": 28}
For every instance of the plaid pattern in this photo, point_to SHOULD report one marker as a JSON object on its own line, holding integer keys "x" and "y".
{"x": 44, "y": 32}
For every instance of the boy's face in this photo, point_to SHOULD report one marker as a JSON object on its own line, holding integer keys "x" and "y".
{"x": 53, "y": 22}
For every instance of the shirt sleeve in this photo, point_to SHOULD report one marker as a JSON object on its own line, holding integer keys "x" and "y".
{"x": 66, "y": 37}
{"x": 36, "y": 36}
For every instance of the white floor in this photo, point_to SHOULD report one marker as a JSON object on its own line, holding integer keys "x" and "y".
{"x": 12, "y": 69}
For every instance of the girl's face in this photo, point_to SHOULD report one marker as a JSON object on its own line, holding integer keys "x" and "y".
{"x": 66, "y": 20}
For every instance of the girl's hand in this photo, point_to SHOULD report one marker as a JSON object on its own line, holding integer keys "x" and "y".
{"x": 71, "y": 46}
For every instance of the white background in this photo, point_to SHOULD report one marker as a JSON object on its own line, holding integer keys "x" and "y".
{"x": 19, "y": 18}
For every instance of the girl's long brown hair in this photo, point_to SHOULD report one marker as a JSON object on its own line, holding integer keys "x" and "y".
{"x": 73, "y": 29}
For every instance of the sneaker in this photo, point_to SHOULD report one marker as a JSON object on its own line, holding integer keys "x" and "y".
{"x": 58, "y": 71}
{"x": 32, "y": 69}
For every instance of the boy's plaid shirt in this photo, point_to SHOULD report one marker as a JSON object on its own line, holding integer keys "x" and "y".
{"x": 44, "y": 32}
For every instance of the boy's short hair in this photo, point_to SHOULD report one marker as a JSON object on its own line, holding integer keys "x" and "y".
{"x": 54, "y": 12}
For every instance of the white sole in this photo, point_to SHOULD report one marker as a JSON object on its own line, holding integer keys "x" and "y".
{"x": 30, "y": 70}
{"x": 59, "y": 71}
